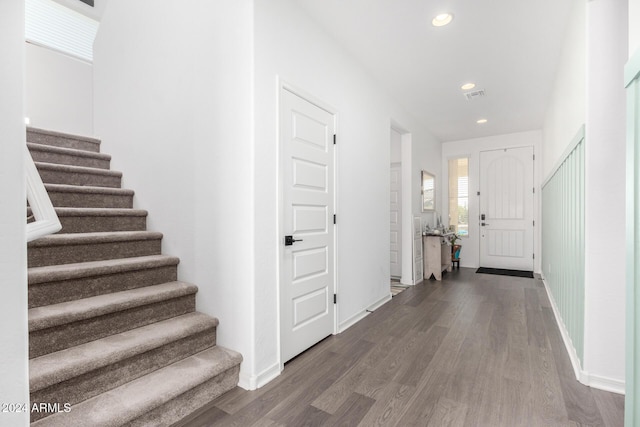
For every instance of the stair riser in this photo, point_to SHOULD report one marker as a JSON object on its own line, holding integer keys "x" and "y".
{"x": 69, "y": 290}
{"x": 57, "y": 338}
{"x": 172, "y": 412}
{"x": 62, "y": 141}
{"x": 69, "y": 159}
{"x": 67, "y": 254}
{"x": 89, "y": 200}
{"x": 78, "y": 178}
{"x": 109, "y": 377}
{"x": 91, "y": 224}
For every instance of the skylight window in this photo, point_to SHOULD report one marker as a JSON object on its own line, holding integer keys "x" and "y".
{"x": 52, "y": 25}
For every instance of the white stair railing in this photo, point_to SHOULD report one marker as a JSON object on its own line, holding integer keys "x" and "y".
{"x": 46, "y": 220}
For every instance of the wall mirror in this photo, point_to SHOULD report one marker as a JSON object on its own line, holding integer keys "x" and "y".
{"x": 428, "y": 192}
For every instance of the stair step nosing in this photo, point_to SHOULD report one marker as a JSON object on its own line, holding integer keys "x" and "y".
{"x": 65, "y": 239}
{"x": 87, "y": 189}
{"x": 69, "y": 151}
{"x": 77, "y": 169}
{"x": 97, "y": 212}
{"x": 63, "y": 135}
{"x": 75, "y": 361}
{"x": 130, "y": 400}
{"x": 54, "y": 273}
{"x": 73, "y": 311}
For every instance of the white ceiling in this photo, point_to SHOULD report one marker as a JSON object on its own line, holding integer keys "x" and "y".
{"x": 509, "y": 48}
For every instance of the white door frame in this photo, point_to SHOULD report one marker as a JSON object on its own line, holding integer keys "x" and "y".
{"x": 407, "y": 211}
{"x": 282, "y": 86}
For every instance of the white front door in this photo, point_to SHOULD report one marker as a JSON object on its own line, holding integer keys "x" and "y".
{"x": 506, "y": 208}
{"x": 307, "y": 258}
{"x": 396, "y": 221}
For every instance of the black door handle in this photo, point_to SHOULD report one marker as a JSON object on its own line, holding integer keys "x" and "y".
{"x": 288, "y": 240}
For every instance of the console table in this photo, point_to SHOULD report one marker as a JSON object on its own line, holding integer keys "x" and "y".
{"x": 437, "y": 255}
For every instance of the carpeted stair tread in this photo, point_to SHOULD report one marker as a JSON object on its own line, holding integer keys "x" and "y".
{"x": 64, "y": 195}
{"x": 73, "y": 311}
{"x": 60, "y": 272}
{"x": 84, "y": 220}
{"x": 52, "y": 173}
{"x": 62, "y": 365}
{"x": 134, "y": 399}
{"x": 71, "y": 211}
{"x": 72, "y": 248}
{"x": 100, "y": 237}
{"x": 68, "y": 188}
{"x": 68, "y": 156}
{"x": 61, "y": 139}
{"x": 60, "y": 283}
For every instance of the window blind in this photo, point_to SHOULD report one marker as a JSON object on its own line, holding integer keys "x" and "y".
{"x": 55, "y": 26}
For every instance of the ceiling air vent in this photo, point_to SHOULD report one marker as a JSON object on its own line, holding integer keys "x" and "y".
{"x": 475, "y": 94}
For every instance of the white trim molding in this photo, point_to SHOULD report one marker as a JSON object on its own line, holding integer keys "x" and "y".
{"x": 46, "y": 219}
{"x": 253, "y": 382}
{"x": 364, "y": 313}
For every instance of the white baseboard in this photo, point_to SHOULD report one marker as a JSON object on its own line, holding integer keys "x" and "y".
{"x": 352, "y": 321}
{"x": 252, "y": 382}
{"x": 362, "y": 314}
{"x": 595, "y": 381}
{"x": 607, "y": 384}
{"x": 382, "y": 301}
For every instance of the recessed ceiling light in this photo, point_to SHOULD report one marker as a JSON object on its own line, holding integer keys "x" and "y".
{"x": 481, "y": 121}
{"x": 442, "y": 19}
{"x": 468, "y": 86}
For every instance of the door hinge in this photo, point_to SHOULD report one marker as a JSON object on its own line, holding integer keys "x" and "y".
{"x": 534, "y": 256}
{"x": 534, "y": 157}
{"x": 478, "y": 193}
{"x": 335, "y": 298}
{"x": 334, "y": 218}
{"x": 334, "y": 139}
{"x": 534, "y": 223}
{"x": 534, "y": 190}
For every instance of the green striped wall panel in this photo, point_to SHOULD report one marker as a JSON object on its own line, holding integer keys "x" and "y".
{"x": 563, "y": 240}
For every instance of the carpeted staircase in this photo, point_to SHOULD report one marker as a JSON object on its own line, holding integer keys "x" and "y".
{"x": 112, "y": 332}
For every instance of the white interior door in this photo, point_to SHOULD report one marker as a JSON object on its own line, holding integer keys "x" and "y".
{"x": 307, "y": 263}
{"x": 506, "y": 208}
{"x": 396, "y": 220}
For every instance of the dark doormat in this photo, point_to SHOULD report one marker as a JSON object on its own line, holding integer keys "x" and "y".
{"x": 503, "y": 272}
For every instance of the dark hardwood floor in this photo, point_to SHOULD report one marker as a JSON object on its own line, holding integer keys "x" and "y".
{"x": 472, "y": 350}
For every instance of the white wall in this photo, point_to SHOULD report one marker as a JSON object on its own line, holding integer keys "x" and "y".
{"x": 291, "y": 47}
{"x": 634, "y": 26}
{"x": 605, "y": 146}
{"x": 470, "y": 254}
{"x": 14, "y": 386}
{"x": 566, "y": 113}
{"x": 173, "y": 104}
{"x": 58, "y": 91}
